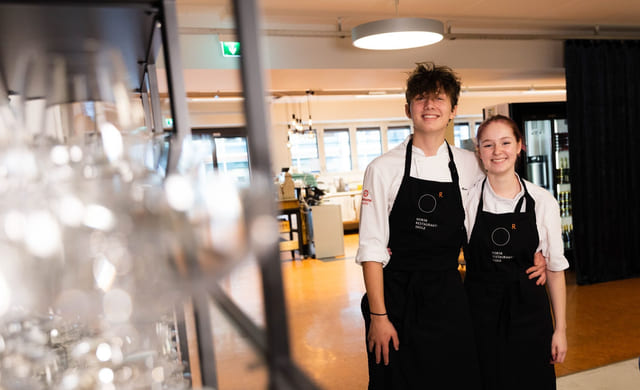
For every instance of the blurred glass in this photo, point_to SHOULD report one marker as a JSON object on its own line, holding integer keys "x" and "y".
{"x": 96, "y": 245}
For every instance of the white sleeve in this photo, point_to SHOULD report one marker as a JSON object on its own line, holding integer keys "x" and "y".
{"x": 374, "y": 218}
{"x": 471, "y": 207}
{"x": 550, "y": 230}
{"x": 469, "y": 170}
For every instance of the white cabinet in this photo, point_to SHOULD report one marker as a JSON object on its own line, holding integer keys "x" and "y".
{"x": 328, "y": 235}
{"x": 349, "y": 202}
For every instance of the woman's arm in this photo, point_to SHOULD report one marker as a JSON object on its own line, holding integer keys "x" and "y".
{"x": 381, "y": 330}
{"x": 558, "y": 293}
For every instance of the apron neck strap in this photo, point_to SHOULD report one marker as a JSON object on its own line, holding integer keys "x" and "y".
{"x": 407, "y": 157}
{"x": 452, "y": 165}
{"x": 481, "y": 197}
{"x": 530, "y": 202}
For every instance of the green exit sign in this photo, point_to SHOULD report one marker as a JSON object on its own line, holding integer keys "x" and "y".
{"x": 230, "y": 49}
{"x": 168, "y": 122}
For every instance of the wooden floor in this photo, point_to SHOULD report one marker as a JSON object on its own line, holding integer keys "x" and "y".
{"x": 327, "y": 330}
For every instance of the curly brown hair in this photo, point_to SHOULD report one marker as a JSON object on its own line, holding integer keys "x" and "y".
{"x": 428, "y": 78}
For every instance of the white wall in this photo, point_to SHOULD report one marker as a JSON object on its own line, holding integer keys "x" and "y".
{"x": 335, "y": 112}
{"x": 324, "y": 64}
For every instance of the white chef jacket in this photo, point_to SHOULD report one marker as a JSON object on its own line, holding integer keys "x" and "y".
{"x": 547, "y": 218}
{"x": 381, "y": 183}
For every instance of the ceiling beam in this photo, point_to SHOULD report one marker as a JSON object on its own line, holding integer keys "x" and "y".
{"x": 457, "y": 32}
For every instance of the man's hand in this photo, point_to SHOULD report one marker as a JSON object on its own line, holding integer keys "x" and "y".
{"x": 381, "y": 332}
{"x": 538, "y": 269}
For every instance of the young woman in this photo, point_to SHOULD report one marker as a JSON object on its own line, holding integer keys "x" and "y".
{"x": 508, "y": 220}
{"x": 417, "y": 320}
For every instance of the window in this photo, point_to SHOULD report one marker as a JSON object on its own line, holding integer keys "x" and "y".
{"x": 337, "y": 150}
{"x": 202, "y": 148}
{"x": 232, "y": 158}
{"x": 225, "y": 155}
{"x": 304, "y": 151}
{"x": 396, "y": 134}
{"x": 460, "y": 132}
{"x": 368, "y": 144}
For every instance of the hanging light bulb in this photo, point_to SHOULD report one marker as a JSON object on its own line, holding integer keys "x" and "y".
{"x": 289, "y": 124}
{"x": 309, "y": 110}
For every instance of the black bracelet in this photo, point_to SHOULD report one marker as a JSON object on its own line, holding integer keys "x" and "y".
{"x": 378, "y": 314}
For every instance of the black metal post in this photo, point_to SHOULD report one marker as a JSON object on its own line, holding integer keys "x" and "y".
{"x": 175, "y": 81}
{"x": 277, "y": 331}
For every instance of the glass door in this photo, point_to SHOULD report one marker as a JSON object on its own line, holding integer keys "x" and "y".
{"x": 538, "y": 145}
{"x": 562, "y": 179}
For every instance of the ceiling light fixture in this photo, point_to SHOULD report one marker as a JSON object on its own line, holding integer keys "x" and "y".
{"x": 397, "y": 33}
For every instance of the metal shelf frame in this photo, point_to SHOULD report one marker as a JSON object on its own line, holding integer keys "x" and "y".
{"x": 139, "y": 29}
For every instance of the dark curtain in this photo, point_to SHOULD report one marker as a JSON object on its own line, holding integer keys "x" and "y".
{"x": 603, "y": 115}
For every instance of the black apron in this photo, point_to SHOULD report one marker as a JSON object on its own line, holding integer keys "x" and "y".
{"x": 511, "y": 314}
{"x": 423, "y": 290}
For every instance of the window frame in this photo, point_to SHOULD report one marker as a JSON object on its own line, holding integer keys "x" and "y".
{"x": 350, "y": 157}
{"x": 360, "y": 130}
{"x": 317, "y": 151}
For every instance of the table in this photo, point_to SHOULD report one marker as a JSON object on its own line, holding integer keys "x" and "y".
{"x": 291, "y": 208}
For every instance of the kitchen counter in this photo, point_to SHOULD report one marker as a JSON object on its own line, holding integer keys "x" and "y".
{"x": 349, "y": 202}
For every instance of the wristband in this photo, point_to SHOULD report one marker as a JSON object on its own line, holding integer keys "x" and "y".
{"x": 378, "y": 314}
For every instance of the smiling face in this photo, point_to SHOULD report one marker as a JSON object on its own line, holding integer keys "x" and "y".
{"x": 431, "y": 98}
{"x": 430, "y": 112}
{"x": 498, "y": 148}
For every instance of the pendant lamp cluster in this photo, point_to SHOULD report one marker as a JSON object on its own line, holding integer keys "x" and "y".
{"x": 397, "y": 33}
{"x": 297, "y": 125}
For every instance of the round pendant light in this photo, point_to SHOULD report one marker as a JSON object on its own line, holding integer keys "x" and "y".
{"x": 397, "y": 33}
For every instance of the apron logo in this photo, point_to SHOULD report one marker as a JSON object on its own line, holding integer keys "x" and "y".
{"x": 440, "y": 195}
{"x": 500, "y": 236}
{"x": 513, "y": 226}
{"x": 427, "y": 203}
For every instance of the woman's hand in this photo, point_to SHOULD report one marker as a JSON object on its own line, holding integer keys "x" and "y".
{"x": 558, "y": 295}
{"x": 538, "y": 269}
{"x": 558, "y": 346}
{"x": 381, "y": 332}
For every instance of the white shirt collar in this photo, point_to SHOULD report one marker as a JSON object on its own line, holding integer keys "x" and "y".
{"x": 442, "y": 149}
{"x": 501, "y": 199}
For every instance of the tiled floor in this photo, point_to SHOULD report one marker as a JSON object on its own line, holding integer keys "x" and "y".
{"x": 327, "y": 331}
{"x": 624, "y": 375}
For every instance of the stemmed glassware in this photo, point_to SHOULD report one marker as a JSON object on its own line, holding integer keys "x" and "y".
{"x": 96, "y": 248}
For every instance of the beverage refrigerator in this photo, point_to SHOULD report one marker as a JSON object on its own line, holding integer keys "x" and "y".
{"x": 545, "y": 160}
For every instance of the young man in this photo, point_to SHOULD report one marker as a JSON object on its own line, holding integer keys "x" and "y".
{"x": 419, "y": 334}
